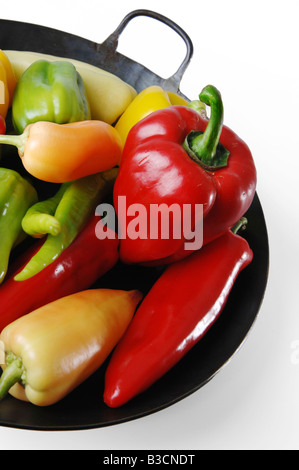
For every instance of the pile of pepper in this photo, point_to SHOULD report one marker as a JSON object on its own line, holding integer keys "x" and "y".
{"x": 56, "y": 329}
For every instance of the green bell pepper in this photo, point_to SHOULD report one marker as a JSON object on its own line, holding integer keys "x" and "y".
{"x": 49, "y": 91}
{"x": 16, "y": 196}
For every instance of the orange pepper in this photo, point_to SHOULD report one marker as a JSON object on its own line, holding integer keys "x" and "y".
{"x": 58, "y": 153}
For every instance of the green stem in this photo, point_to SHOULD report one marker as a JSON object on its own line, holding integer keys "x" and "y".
{"x": 204, "y": 147}
{"x": 240, "y": 225}
{"x": 10, "y": 376}
{"x": 18, "y": 141}
{"x": 199, "y": 107}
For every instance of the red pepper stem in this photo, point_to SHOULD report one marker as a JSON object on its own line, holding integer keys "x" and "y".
{"x": 204, "y": 147}
{"x": 12, "y": 374}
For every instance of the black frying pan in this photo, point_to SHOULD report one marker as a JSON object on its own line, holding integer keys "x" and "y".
{"x": 84, "y": 407}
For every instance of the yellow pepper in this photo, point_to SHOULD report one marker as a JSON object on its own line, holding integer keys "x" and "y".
{"x": 177, "y": 99}
{"x": 7, "y": 83}
{"x": 4, "y": 96}
{"x": 53, "y": 349}
{"x": 10, "y": 75}
{"x": 147, "y": 101}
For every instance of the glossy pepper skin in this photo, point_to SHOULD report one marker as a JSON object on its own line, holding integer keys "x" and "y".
{"x": 147, "y": 101}
{"x": 75, "y": 206}
{"x": 77, "y": 268}
{"x": 179, "y": 309}
{"x": 2, "y": 125}
{"x": 165, "y": 162}
{"x": 11, "y": 80}
{"x": 7, "y": 83}
{"x": 54, "y": 349}
{"x": 108, "y": 95}
{"x": 59, "y": 153}
{"x": 40, "y": 219}
{"x": 4, "y": 95}
{"x": 49, "y": 91}
{"x": 16, "y": 196}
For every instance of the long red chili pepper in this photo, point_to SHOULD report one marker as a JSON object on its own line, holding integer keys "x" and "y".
{"x": 76, "y": 269}
{"x": 179, "y": 309}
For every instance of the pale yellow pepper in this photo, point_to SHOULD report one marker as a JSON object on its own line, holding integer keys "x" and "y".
{"x": 108, "y": 95}
{"x": 52, "y": 350}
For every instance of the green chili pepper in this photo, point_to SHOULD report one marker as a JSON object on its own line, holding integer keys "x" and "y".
{"x": 49, "y": 91}
{"x": 39, "y": 220}
{"x": 75, "y": 207}
{"x": 16, "y": 196}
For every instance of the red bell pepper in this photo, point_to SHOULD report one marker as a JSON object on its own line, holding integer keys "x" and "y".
{"x": 179, "y": 309}
{"x": 76, "y": 269}
{"x": 174, "y": 156}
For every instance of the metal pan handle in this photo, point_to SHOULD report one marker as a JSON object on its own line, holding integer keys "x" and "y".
{"x": 111, "y": 42}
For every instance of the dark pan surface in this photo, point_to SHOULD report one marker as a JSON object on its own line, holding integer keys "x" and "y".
{"x": 30, "y": 37}
{"x": 84, "y": 407}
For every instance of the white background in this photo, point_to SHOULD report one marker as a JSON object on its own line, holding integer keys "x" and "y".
{"x": 249, "y": 50}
